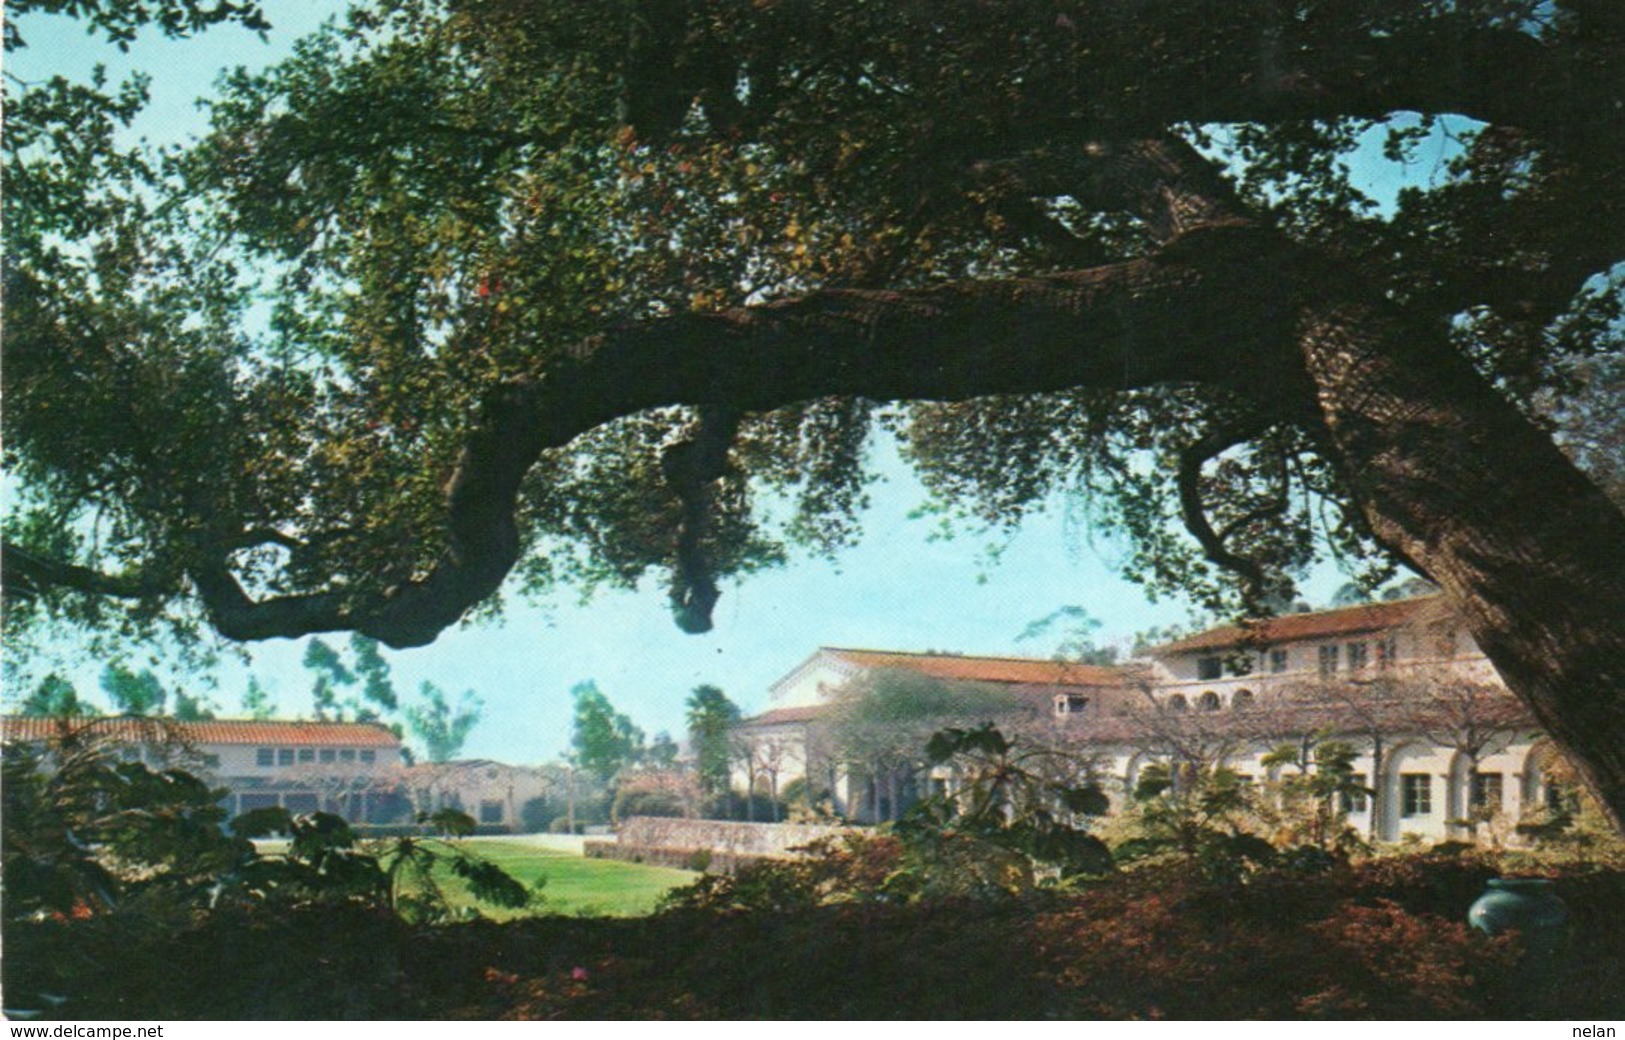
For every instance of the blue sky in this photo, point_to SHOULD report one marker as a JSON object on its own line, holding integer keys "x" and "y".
{"x": 898, "y": 589}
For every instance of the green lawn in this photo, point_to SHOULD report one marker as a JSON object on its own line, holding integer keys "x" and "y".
{"x": 575, "y": 885}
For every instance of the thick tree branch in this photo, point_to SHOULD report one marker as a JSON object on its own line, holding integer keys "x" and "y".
{"x": 1453, "y": 477}
{"x": 1207, "y": 311}
{"x": 26, "y": 574}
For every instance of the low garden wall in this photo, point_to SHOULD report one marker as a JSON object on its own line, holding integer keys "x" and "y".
{"x": 720, "y": 846}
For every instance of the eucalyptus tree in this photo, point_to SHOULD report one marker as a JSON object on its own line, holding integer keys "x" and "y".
{"x": 568, "y": 290}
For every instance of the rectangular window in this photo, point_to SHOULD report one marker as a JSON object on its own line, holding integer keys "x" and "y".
{"x": 1209, "y": 667}
{"x": 1355, "y": 801}
{"x": 1357, "y": 656}
{"x": 1486, "y": 792}
{"x": 211, "y": 761}
{"x": 265, "y": 756}
{"x": 284, "y": 756}
{"x": 347, "y": 755}
{"x": 1416, "y": 793}
{"x": 329, "y": 755}
{"x": 1278, "y": 660}
{"x": 369, "y": 756}
{"x": 490, "y": 812}
{"x": 1328, "y": 660}
{"x": 1387, "y": 652}
{"x": 307, "y": 754}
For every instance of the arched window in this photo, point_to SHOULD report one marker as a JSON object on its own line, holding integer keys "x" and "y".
{"x": 1209, "y": 701}
{"x": 1178, "y": 703}
{"x": 1241, "y": 700}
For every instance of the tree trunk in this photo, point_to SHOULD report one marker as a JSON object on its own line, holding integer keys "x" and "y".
{"x": 1453, "y": 478}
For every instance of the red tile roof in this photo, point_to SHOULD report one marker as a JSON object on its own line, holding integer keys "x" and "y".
{"x": 1022, "y": 670}
{"x": 780, "y": 716}
{"x": 1366, "y": 617}
{"x": 215, "y": 731}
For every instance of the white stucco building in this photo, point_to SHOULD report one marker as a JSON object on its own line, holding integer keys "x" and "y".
{"x": 1447, "y": 750}
{"x": 357, "y": 770}
{"x": 348, "y": 768}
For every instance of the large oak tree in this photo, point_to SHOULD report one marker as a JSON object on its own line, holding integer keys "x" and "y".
{"x": 572, "y": 289}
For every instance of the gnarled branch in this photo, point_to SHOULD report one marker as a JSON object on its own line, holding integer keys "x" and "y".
{"x": 1193, "y": 510}
{"x": 1210, "y": 312}
{"x": 24, "y": 574}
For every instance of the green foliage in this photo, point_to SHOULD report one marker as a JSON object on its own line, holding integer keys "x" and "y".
{"x": 325, "y": 862}
{"x": 85, "y": 833}
{"x": 1017, "y": 815}
{"x": 1319, "y": 789}
{"x": 553, "y": 171}
{"x": 1379, "y": 940}
{"x": 711, "y": 715}
{"x": 190, "y": 708}
{"x": 322, "y": 864}
{"x": 604, "y": 740}
{"x": 133, "y": 693}
{"x": 370, "y": 665}
{"x": 1077, "y": 638}
{"x": 633, "y": 801}
{"x": 663, "y": 751}
{"x": 1203, "y": 818}
{"x": 331, "y": 676}
{"x": 55, "y": 696}
{"x": 257, "y": 700}
{"x": 442, "y": 729}
{"x": 119, "y": 20}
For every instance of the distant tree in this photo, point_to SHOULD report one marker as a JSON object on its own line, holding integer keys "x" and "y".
{"x": 377, "y": 688}
{"x": 1410, "y": 588}
{"x": 1351, "y": 593}
{"x": 331, "y": 675}
{"x": 1156, "y": 636}
{"x": 662, "y": 753}
{"x": 56, "y": 697}
{"x": 441, "y": 728}
{"x": 257, "y": 700}
{"x": 605, "y": 741}
{"x": 192, "y": 709}
{"x": 1076, "y": 627}
{"x": 133, "y": 693}
{"x": 710, "y": 716}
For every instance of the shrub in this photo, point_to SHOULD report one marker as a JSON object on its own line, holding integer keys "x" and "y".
{"x": 633, "y": 801}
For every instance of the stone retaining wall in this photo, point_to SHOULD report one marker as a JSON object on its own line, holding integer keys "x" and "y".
{"x": 720, "y": 846}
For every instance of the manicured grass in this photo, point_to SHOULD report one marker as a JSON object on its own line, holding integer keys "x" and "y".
{"x": 575, "y": 885}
